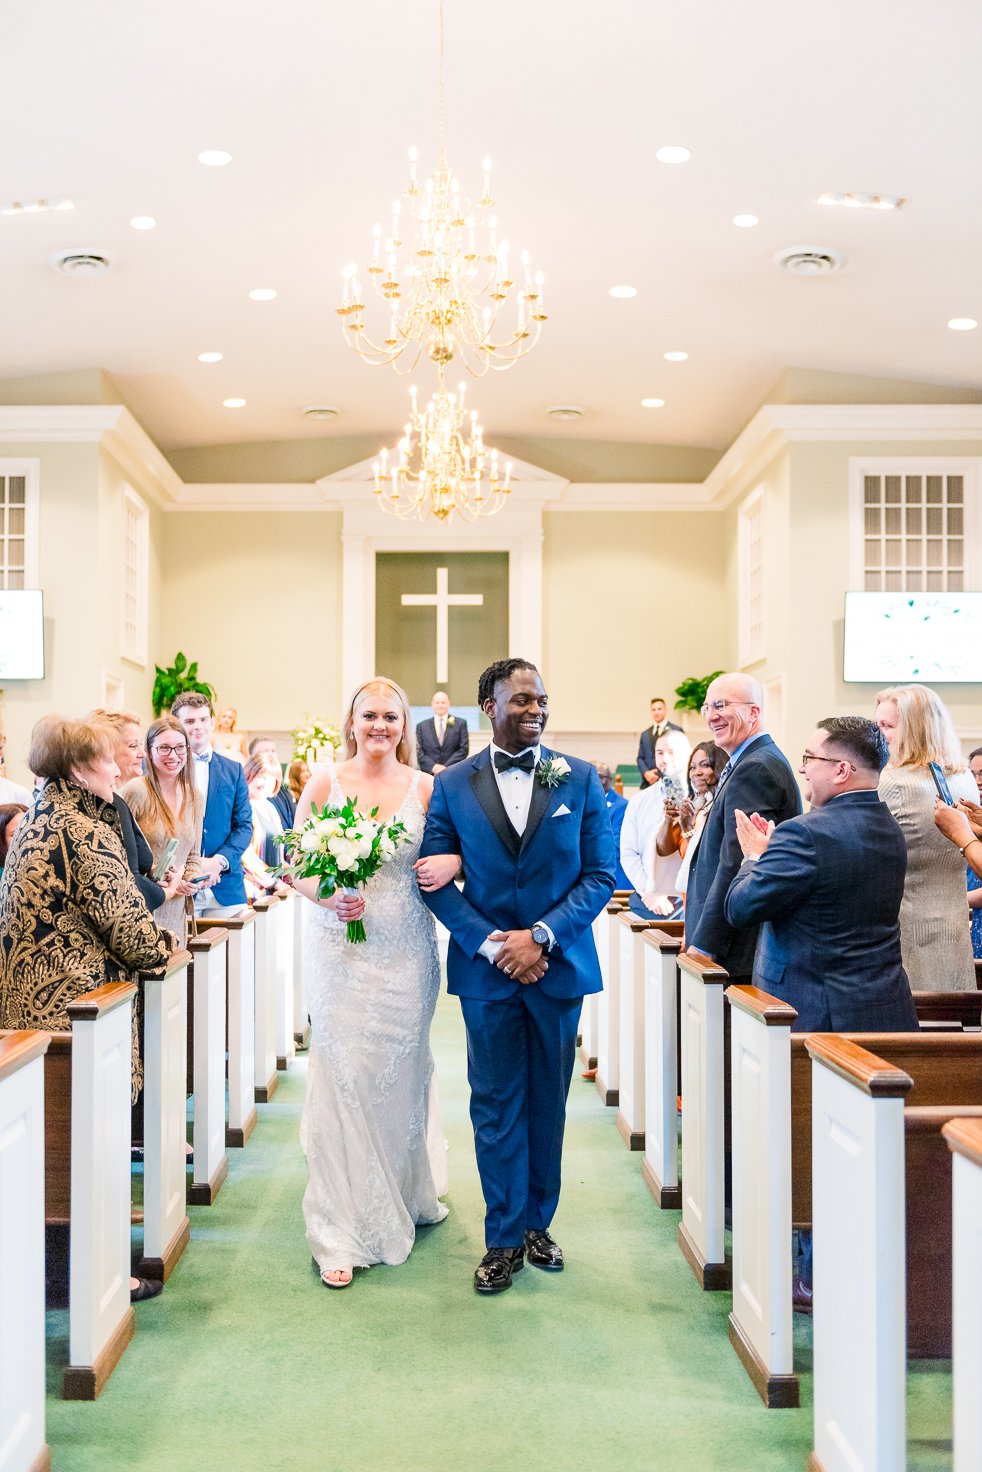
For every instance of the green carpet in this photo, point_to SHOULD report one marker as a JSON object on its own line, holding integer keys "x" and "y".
{"x": 247, "y": 1363}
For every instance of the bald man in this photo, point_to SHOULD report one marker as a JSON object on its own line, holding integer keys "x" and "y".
{"x": 442, "y": 740}
{"x": 757, "y": 778}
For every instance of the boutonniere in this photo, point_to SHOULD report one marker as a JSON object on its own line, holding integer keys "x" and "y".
{"x": 451, "y": 720}
{"x": 553, "y": 771}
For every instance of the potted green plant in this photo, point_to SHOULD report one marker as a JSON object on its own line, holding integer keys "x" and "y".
{"x": 180, "y": 679}
{"x": 692, "y": 692}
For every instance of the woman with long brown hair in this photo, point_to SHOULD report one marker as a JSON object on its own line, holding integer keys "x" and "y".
{"x": 166, "y": 806}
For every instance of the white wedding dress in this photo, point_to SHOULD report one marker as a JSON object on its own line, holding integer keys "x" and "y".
{"x": 371, "y": 1130}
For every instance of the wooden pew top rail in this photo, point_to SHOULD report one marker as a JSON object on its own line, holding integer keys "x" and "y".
{"x": 20, "y": 1048}
{"x": 962, "y": 1008}
{"x": 176, "y": 961}
{"x": 859, "y": 1067}
{"x": 766, "y": 1009}
{"x": 635, "y": 922}
{"x": 91, "y": 1005}
{"x": 703, "y": 969}
{"x": 964, "y": 1137}
{"x": 199, "y": 944}
{"x": 265, "y": 902}
{"x": 662, "y": 940}
{"x": 240, "y": 921}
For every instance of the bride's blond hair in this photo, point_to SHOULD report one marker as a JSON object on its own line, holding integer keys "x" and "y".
{"x": 406, "y": 749}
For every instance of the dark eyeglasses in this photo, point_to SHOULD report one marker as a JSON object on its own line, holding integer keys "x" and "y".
{"x": 169, "y": 750}
{"x": 809, "y": 756}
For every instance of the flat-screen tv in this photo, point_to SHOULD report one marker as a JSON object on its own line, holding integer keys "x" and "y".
{"x": 924, "y": 637}
{"x": 21, "y": 635}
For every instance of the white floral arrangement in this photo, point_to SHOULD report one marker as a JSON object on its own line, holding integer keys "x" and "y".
{"x": 341, "y": 848}
{"x": 315, "y": 740}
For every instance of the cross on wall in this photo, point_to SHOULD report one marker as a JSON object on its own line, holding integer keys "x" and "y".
{"x": 442, "y": 600}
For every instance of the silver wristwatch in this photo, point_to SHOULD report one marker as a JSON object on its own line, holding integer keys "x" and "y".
{"x": 540, "y": 935}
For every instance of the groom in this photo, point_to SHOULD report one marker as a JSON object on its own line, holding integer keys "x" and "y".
{"x": 538, "y": 865}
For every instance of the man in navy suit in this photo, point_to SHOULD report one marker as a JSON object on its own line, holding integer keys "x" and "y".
{"x": 538, "y": 864}
{"x": 757, "y": 778}
{"x": 227, "y": 829}
{"x": 646, "y": 746}
{"x": 441, "y": 740}
{"x": 616, "y": 808}
{"x": 826, "y": 888}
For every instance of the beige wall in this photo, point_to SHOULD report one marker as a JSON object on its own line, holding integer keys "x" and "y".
{"x": 633, "y": 604}
{"x": 256, "y": 599}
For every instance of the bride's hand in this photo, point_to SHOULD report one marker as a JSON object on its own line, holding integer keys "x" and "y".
{"x": 349, "y": 906}
{"x": 436, "y": 871}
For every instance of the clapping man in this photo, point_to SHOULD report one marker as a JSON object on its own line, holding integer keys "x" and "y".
{"x": 660, "y": 723}
{"x": 227, "y": 829}
{"x": 441, "y": 740}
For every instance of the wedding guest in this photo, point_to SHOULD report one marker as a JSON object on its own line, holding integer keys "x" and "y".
{"x": 683, "y": 822}
{"x": 647, "y": 765}
{"x": 934, "y": 938}
{"x": 297, "y": 777}
{"x": 71, "y": 916}
{"x": 757, "y": 778}
{"x": 226, "y": 739}
{"x": 227, "y": 824}
{"x": 962, "y": 825}
{"x": 281, "y": 797}
{"x": 129, "y": 754}
{"x": 441, "y": 740}
{"x": 11, "y": 817}
{"x": 166, "y": 806}
{"x": 653, "y": 878}
{"x": 973, "y": 877}
{"x": 616, "y": 808}
{"x": 266, "y": 824}
{"x": 11, "y": 791}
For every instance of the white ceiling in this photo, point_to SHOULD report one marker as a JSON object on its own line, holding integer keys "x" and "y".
{"x": 318, "y": 105}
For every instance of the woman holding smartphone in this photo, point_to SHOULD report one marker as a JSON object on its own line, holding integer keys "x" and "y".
{"x": 934, "y": 931}
{"x": 167, "y": 808}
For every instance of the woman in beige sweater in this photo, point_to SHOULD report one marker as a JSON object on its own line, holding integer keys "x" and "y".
{"x": 934, "y": 931}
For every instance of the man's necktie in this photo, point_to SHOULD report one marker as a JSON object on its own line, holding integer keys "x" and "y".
{"x": 505, "y": 763}
{"x": 724, "y": 776}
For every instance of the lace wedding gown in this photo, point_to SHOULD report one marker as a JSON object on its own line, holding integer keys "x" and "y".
{"x": 370, "y": 1130}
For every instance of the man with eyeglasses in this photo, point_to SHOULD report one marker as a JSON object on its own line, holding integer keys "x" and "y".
{"x": 757, "y": 778}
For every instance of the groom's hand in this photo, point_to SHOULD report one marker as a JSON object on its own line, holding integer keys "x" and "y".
{"x": 519, "y": 955}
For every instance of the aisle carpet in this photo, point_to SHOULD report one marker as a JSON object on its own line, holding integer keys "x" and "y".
{"x": 247, "y": 1364}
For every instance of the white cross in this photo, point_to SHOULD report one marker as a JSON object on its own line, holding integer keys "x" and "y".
{"x": 442, "y": 600}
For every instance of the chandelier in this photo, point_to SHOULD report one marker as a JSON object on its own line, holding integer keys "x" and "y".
{"x": 441, "y": 464}
{"x": 448, "y": 288}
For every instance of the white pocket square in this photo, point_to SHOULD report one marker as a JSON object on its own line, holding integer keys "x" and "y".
{"x": 561, "y": 812}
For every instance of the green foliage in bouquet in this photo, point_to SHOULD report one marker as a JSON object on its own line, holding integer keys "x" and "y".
{"x": 312, "y": 733}
{"x": 341, "y": 848}
{"x": 180, "y": 679}
{"x": 692, "y": 692}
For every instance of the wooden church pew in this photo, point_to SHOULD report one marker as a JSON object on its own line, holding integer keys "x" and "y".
{"x": 207, "y": 1028}
{"x": 301, "y": 1022}
{"x": 22, "y": 1366}
{"x": 266, "y": 1079}
{"x": 240, "y": 961}
{"x": 662, "y": 1064}
{"x": 166, "y": 1227}
{"x": 631, "y": 930}
{"x": 590, "y": 1015}
{"x": 703, "y": 1025}
{"x": 284, "y": 930}
{"x": 608, "y": 1004}
{"x": 964, "y": 1138}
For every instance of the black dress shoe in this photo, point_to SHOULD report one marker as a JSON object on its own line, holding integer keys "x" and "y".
{"x": 543, "y": 1252}
{"x": 497, "y": 1267}
{"x": 145, "y": 1288}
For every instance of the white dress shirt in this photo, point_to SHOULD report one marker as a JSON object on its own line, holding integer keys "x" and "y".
{"x": 646, "y": 869}
{"x": 201, "y": 765}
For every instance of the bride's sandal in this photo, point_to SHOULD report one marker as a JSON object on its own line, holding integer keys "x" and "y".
{"x": 337, "y": 1277}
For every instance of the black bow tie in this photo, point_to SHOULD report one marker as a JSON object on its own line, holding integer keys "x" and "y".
{"x": 505, "y": 763}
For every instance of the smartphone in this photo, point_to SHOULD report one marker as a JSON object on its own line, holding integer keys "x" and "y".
{"x": 674, "y": 789}
{"x": 164, "y": 862}
{"x": 941, "y": 783}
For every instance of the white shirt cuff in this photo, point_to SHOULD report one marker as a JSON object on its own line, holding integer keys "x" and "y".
{"x": 548, "y": 931}
{"x": 489, "y": 950}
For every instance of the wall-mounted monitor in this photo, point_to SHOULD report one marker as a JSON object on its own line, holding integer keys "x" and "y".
{"x": 21, "y": 635}
{"x": 924, "y": 637}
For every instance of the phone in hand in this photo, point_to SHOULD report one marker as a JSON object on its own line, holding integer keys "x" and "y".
{"x": 674, "y": 789}
{"x": 941, "y": 783}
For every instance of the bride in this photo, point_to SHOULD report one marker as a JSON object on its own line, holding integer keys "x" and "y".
{"x": 370, "y": 1130}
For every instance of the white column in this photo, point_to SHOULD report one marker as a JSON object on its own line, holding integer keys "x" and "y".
{"x": 208, "y": 990}
{"x": 22, "y": 1371}
{"x": 241, "y": 995}
{"x": 265, "y": 1078}
{"x": 631, "y": 1092}
{"x": 101, "y": 1320}
{"x": 659, "y": 1169}
{"x": 703, "y": 1123}
{"x": 285, "y": 933}
{"x": 166, "y": 1228}
{"x": 859, "y": 1333}
{"x": 760, "y": 1107}
{"x": 965, "y": 1140}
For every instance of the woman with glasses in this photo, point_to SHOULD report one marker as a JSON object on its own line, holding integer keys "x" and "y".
{"x": 166, "y": 806}
{"x": 934, "y": 931}
{"x": 683, "y": 821}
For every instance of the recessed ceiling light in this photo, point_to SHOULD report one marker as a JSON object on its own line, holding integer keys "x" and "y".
{"x": 234, "y": 403}
{"x": 810, "y": 260}
{"x": 262, "y": 294}
{"x": 746, "y": 222}
{"x": 862, "y": 201}
{"x": 565, "y": 412}
{"x": 673, "y": 153}
{"x": 652, "y": 403}
{"x": 143, "y": 222}
{"x": 321, "y": 411}
{"x": 675, "y": 357}
{"x": 962, "y": 324}
{"x": 81, "y": 261}
{"x": 214, "y": 158}
{"x": 35, "y": 206}
{"x": 624, "y": 293}
{"x": 209, "y": 357}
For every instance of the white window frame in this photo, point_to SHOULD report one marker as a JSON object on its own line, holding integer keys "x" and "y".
{"x": 31, "y": 471}
{"x": 135, "y": 650}
{"x": 752, "y": 643}
{"x": 882, "y": 465}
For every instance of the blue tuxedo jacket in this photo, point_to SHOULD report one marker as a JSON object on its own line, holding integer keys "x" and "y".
{"x": 761, "y": 782}
{"x": 828, "y": 889}
{"x": 560, "y": 871}
{"x": 448, "y": 752}
{"x": 227, "y": 825}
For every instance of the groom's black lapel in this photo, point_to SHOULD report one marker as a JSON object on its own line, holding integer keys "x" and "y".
{"x": 486, "y": 791}
{"x": 540, "y": 801}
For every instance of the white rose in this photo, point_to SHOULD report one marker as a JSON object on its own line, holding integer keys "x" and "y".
{"x": 345, "y": 857}
{"x": 386, "y": 847}
{"x": 337, "y": 844}
{"x": 310, "y": 842}
{"x": 561, "y": 766}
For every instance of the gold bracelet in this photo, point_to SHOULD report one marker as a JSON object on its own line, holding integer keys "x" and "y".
{"x": 968, "y": 845}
